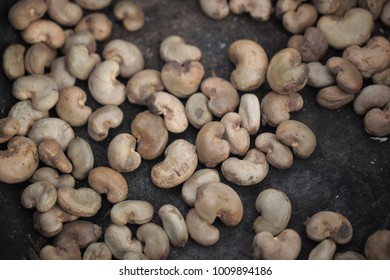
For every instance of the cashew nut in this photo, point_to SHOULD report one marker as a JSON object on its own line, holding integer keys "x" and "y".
{"x": 142, "y": 85}
{"x": 97, "y": 23}
{"x": 327, "y": 6}
{"x": 377, "y": 245}
{"x": 197, "y": 111}
{"x": 41, "y": 195}
{"x": 200, "y": 230}
{"x": 382, "y": 78}
{"x": 130, "y": 14}
{"x": 23, "y": 12}
{"x": 174, "y": 48}
{"x": 237, "y": 136}
{"x": 82, "y": 202}
{"x": 297, "y": 21}
{"x": 13, "y": 61}
{"x": 43, "y": 30}
{"x": 64, "y": 12}
{"x": 97, "y": 251}
{"x": 155, "y": 239}
{"x": 174, "y": 225}
{"x": 102, "y": 120}
{"x": 319, "y": 76}
{"x": 215, "y": 9}
{"x": 80, "y": 63}
{"x": 377, "y": 121}
{"x": 323, "y": 251}
{"x": 258, "y": 10}
{"x": 121, "y": 153}
{"x": 372, "y": 96}
{"x": 51, "y": 153}
{"x": 132, "y": 212}
{"x": 385, "y": 16}
{"x": 94, "y": 4}
{"x": 81, "y": 155}
{"x": 333, "y": 97}
{"x": 60, "y": 75}
{"x": 84, "y": 38}
{"x": 250, "y": 113}
{"x": 9, "y": 127}
{"x": 283, "y": 6}
{"x": 67, "y": 251}
{"x": 51, "y": 175}
{"x": 348, "y": 255}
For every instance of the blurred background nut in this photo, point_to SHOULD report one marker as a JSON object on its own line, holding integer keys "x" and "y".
{"x": 175, "y": 48}
{"x": 13, "y": 61}
{"x": 46, "y": 31}
{"x": 93, "y": 4}
{"x": 131, "y": 15}
{"x": 64, "y": 12}
{"x": 297, "y": 21}
{"x": 81, "y": 155}
{"x": 258, "y": 10}
{"x": 142, "y": 85}
{"x": 97, "y": 23}
{"x": 215, "y": 9}
{"x": 23, "y": 12}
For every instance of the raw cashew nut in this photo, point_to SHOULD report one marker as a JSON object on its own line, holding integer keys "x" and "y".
{"x": 23, "y": 12}
{"x": 51, "y": 153}
{"x": 84, "y": 38}
{"x": 377, "y": 246}
{"x": 43, "y": 30}
{"x": 283, "y": 6}
{"x": 155, "y": 239}
{"x": 297, "y": 21}
{"x": 51, "y": 175}
{"x": 174, "y": 48}
{"x": 39, "y": 57}
{"x": 109, "y": 181}
{"x": 64, "y": 12}
{"x": 215, "y": 9}
{"x": 348, "y": 77}
{"x": 348, "y": 255}
{"x": 217, "y": 199}
{"x": 97, "y": 251}
{"x": 60, "y": 75}
{"x": 248, "y": 171}
{"x": 130, "y": 14}
{"x": 196, "y": 109}
{"x": 333, "y": 97}
{"x": 13, "y": 61}
{"x": 82, "y": 202}
{"x": 328, "y": 224}
{"x": 19, "y": 161}
{"x": 323, "y": 251}
{"x": 9, "y": 127}
{"x": 200, "y": 230}
{"x": 251, "y": 64}
{"x": 102, "y": 120}
{"x": 237, "y": 136}
{"x": 81, "y": 155}
{"x": 97, "y": 23}
{"x": 132, "y": 212}
{"x": 385, "y": 16}
{"x": 374, "y": 6}
{"x": 327, "y": 6}
{"x": 372, "y": 96}
{"x": 258, "y": 10}
{"x": 67, "y": 251}
{"x": 80, "y": 63}
{"x": 179, "y": 164}
{"x": 319, "y": 76}
{"x": 174, "y": 225}
{"x": 121, "y": 153}
{"x": 250, "y": 113}
{"x": 142, "y": 85}
{"x": 40, "y": 195}
{"x": 377, "y": 121}
{"x": 382, "y": 78}
{"x": 93, "y": 5}
{"x": 275, "y": 211}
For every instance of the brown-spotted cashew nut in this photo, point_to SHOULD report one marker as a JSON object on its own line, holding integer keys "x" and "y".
{"x": 155, "y": 240}
{"x": 97, "y": 251}
{"x": 327, "y": 7}
{"x": 97, "y": 23}
{"x": 22, "y": 13}
{"x": 377, "y": 245}
{"x": 84, "y": 38}
{"x": 174, "y": 48}
{"x": 328, "y": 224}
{"x": 197, "y": 112}
{"x": 54, "y": 128}
{"x": 237, "y": 136}
{"x": 312, "y": 45}
{"x": 223, "y": 97}
{"x": 385, "y": 15}
{"x": 285, "y": 246}
{"x": 216, "y": 199}
{"x": 109, "y": 181}
{"x": 198, "y": 179}
{"x": 348, "y": 77}
{"x": 348, "y": 255}
{"x": 64, "y": 12}
{"x": 126, "y": 54}
{"x": 215, "y": 9}
{"x": 251, "y": 63}
{"x": 354, "y": 28}
{"x": 286, "y": 74}
{"x": 50, "y": 223}
{"x": 71, "y": 106}
{"x": 121, "y": 153}
{"x": 82, "y": 202}
{"x": 163, "y": 103}
{"x": 333, "y": 97}
{"x": 283, "y": 6}
{"x": 276, "y": 108}
{"x": 298, "y": 136}
{"x": 182, "y": 80}
{"x": 41, "y": 89}
{"x": 51, "y": 153}
{"x": 275, "y": 211}
{"x": 297, "y": 21}
{"x": 278, "y": 154}
{"x": 60, "y": 75}
{"x": 38, "y": 57}
{"x": 81, "y": 155}
{"x": 200, "y": 230}
{"x": 211, "y": 148}
{"x": 80, "y": 63}
{"x": 382, "y": 78}
{"x": 9, "y": 127}
{"x": 103, "y": 85}
{"x": 371, "y": 96}
{"x": 151, "y": 134}
{"x": 179, "y": 164}
{"x": 40, "y": 195}
{"x": 319, "y": 76}
{"x": 131, "y": 15}
{"x": 51, "y": 175}
{"x": 142, "y": 85}
{"x": 377, "y": 121}
{"x": 131, "y": 212}
{"x": 248, "y": 171}
{"x": 374, "y": 57}
{"x": 93, "y": 5}
{"x": 258, "y": 10}
{"x": 102, "y": 120}
{"x": 250, "y": 113}
{"x": 19, "y": 161}
{"x": 174, "y": 225}
{"x": 67, "y": 251}
{"x": 43, "y": 30}
{"x": 13, "y": 61}
{"x": 323, "y": 251}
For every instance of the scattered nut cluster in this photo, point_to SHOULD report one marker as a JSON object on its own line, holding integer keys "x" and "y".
{"x": 175, "y": 97}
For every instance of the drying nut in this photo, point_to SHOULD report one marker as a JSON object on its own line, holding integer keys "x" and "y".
{"x": 250, "y": 113}
{"x": 97, "y": 23}
{"x": 196, "y": 109}
{"x": 51, "y": 175}
{"x": 9, "y": 127}
{"x": 13, "y": 61}
{"x": 298, "y": 136}
{"x": 179, "y": 164}
{"x": 328, "y": 224}
{"x": 372, "y": 96}
{"x": 132, "y": 212}
{"x": 97, "y": 251}
{"x": 174, "y": 48}
{"x": 80, "y": 154}
{"x": 155, "y": 239}
{"x": 237, "y": 136}
{"x": 64, "y": 12}
{"x": 60, "y": 75}
{"x": 377, "y": 121}
{"x": 297, "y": 21}
{"x": 258, "y": 10}
{"x": 142, "y": 85}
{"x": 348, "y": 77}
{"x": 174, "y": 225}
{"x": 333, "y": 97}
{"x": 93, "y": 5}
{"x": 23, "y": 12}
{"x": 319, "y": 76}
{"x": 80, "y": 63}
{"x": 130, "y": 14}
{"x": 323, "y": 251}
{"x": 43, "y": 30}
{"x": 200, "y": 230}
{"x": 251, "y": 64}
{"x": 82, "y": 202}
{"x": 121, "y": 153}
{"x": 215, "y": 9}
{"x": 377, "y": 245}
{"x": 286, "y": 74}
{"x": 109, "y": 181}
{"x": 102, "y": 120}
{"x": 51, "y": 153}
{"x": 40, "y": 195}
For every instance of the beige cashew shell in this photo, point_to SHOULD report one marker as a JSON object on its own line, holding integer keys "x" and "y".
{"x": 155, "y": 240}
{"x": 131, "y": 212}
{"x": 40, "y": 195}
{"x": 174, "y": 225}
{"x": 82, "y": 202}
{"x": 200, "y": 230}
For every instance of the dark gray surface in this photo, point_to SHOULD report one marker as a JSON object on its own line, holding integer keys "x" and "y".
{"x": 348, "y": 173}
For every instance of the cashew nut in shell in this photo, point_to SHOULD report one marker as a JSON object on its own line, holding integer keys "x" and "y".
{"x": 371, "y": 96}
{"x": 43, "y": 30}
{"x": 200, "y": 230}
{"x": 41, "y": 195}
{"x": 93, "y": 5}
{"x": 319, "y": 76}
{"x": 121, "y": 153}
{"x": 258, "y": 10}
{"x": 132, "y": 212}
{"x": 9, "y": 127}
{"x": 60, "y": 75}
{"x": 142, "y": 85}
{"x": 81, "y": 155}
{"x": 51, "y": 153}
{"x": 64, "y": 12}
{"x": 174, "y": 48}
{"x": 377, "y": 245}
{"x": 237, "y": 136}
{"x": 97, "y": 23}
{"x": 174, "y": 225}
{"x": 348, "y": 255}
{"x": 377, "y": 121}
{"x": 79, "y": 62}
{"x": 131, "y": 15}
{"x": 323, "y": 251}
{"x": 102, "y": 120}
{"x": 51, "y": 175}
{"x": 82, "y": 202}
{"x": 97, "y": 251}
{"x": 297, "y": 21}
{"x": 13, "y": 61}
{"x": 250, "y": 113}
{"x": 23, "y": 12}
{"x": 197, "y": 111}
{"x": 215, "y": 9}
{"x": 155, "y": 240}
{"x": 333, "y": 97}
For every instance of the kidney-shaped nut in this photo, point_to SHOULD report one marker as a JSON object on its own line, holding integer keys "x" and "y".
{"x": 215, "y": 9}
{"x": 286, "y": 74}
{"x": 43, "y": 30}
{"x": 163, "y": 103}
{"x": 248, "y": 171}
{"x": 131, "y": 212}
{"x": 60, "y": 75}
{"x": 121, "y": 153}
{"x": 40, "y": 195}
{"x": 81, "y": 155}
{"x": 354, "y": 28}
{"x": 251, "y": 64}
{"x": 328, "y": 224}
{"x": 298, "y": 136}
{"x": 93, "y": 5}
{"x": 142, "y": 85}
{"x": 385, "y": 15}
{"x": 283, "y": 6}
{"x": 372, "y": 96}
{"x": 174, "y": 48}
{"x": 102, "y": 120}
{"x": 51, "y": 153}
{"x": 377, "y": 245}
{"x": 67, "y": 251}
{"x": 348, "y": 77}
{"x": 297, "y": 21}
{"x": 210, "y": 145}
{"x": 54, "y": 128}
{"x": 83, "y": 202}
{"x": 97, "y": 251}
{"x": 278, "y": 154}
{"x": 41, "y": 89}
{"x": 109, "y": 181}
{"x": 374, "y": 6}
{"x": 382, "y": 77}
{"x": 196, "y": 109}
{"x": 174, "y": 225}
{"x": 151, "y": 134}
{"x": 51, "y": 175}
{"x": 237, "y": 136}
{"x": 155, "y": 239}
{"x": 198, "y": 179}
{"x": 126, "y": 54}
{"x": 200, "y": 230}
{"x": 83, "y": 38}
{"x": 9, "y": 127}
{"x": 19, "y": 161}
{"x": 13, "y": 61}
{"x": 285, "y": 246}
{"x": 377, "y": 121}
{"x": 39, "y": 57}
{"x": 64, "y": 12}
{"x": 323, "y": 251}
{"x": 131, "y": 15}
{"x": 182, "y": 80}
{"x": 319, "y": 76}
{"x": 348, "y": 255}
{"x": 216, "y": 199}
{"x": 79, "y": 62}
{"x": 276, "y": 108}
{"x": 179, "y": 164}
{"x": 333, "y": 97}
{"x": 22, "y": 13}
{"x": 250, "y": 113}
{"x": 97, "y": 23}
{"x": 223, "y": 97}
{"x": 258, "y": 10}
{"x": 327, "y": 7}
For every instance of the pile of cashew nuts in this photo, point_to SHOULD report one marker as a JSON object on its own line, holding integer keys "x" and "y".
{"x": 45, "y": 149}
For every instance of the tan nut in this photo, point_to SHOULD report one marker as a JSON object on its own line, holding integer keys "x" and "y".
{"x": 196, "y": 109}
{"x": 385, "y": 15}
{"x": 283, "y": 6}
{"x": 67, "y": 251}
{"x": 155, "y": 239}
{"x": 348, "y": 255}
{"x": 377, "y": 246}
{"x": 174, "y": 225}
{"x": 374, "y": 6}
{"x": 40, "y": 195}
{"x": 327, "y": 7}
{"x": 372, "y": 96}
{"x": 174, "y": 48}
{"x": 97, "y": 251}
{"x": 82, "y": 202}
{"x": 43, "y": 30}
{"x": 84, "y": 38}
{"x": 348, "y": 77}
{"x": 80, "y": 63}
{"x": 323, "y": 251}
{"x": 250, "y": 113}
{"x": 97, "y": 23}
{"x": 131, "y": 212}
{"x": 64, "y": 12}
{"x": 333, "y": 97}
{"x": 142, "y": 85}
{"x": 258, "y": 10}
{"x": 81, "y": 155}
{"x": 94, "y": 4}
{"x": 382, "y": 77}
{"x": 131, "y": 15}
{"x": 121, "y": 153}
{"x": 345, "y": 6}
{"x": 9, "y": 127}
{"x": 13, "y": 61}
{"x": 319, "y": 76}
{"x": 215, "y": 9}
{"x": 50, "y": 152}
{"x": 102, "y": 120}
{"x": 200, "y": 230}
{"x": 22, "y": 13}
{"x": 237, "y": 136}
{"x": 51, "y": 175}
{"x": 60, "y": 75}
{"x": 297, "y": 21}
{"x": 377, "y": 121}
